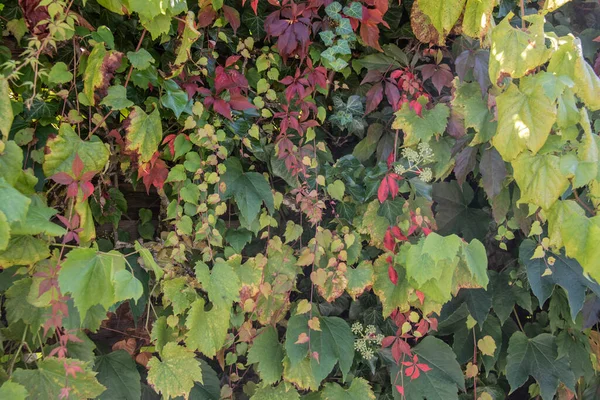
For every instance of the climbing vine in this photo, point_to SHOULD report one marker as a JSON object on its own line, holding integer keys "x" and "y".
{"x": 299, "y": 199}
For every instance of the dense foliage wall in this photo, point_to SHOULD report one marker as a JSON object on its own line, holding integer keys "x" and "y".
{"x": 316, "y": 199}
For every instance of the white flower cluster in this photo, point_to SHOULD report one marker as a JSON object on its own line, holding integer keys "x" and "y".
{"x": 415, "y": 158}
{"x": 369, "y": 340}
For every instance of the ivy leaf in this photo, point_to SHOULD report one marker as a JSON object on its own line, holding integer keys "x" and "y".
{"x": 47, "y": 381}
{"x": 140, "y": 59}
{"x": 477, "y": 17}
{"x": 13, "y": 391}
{"x": 117, "y": 371}
{"x": 515, "y": 52}
{"x": 421, "y": 127}
{"x": 174, "y": 98}
{"x": 476, "y": 260}
{"x": 207, "y": 330}
{"x": 267, "y": 352}
{"x": 444, "y": 379}
{"x": 221, "y": 283}
{"x": 443, "y": 14}
{"x": 540, "y": 179}
{"x": 6, "y": 111}
{"x": 525, "y": 118}
{"x": 279, "y": 392}
{"x": 249, "y": 189}
{"x": 566, "y": 273}
{"x": 144, "y": 132}
{"x": 117, "y": 98}
{"x": 176, "y": 373}
{"x": 359, "y": 390}
{"x": 333, "y": 343}
{"x": 537, "y": 357}
{"x": 59, "y": 73}
{"x": 63, "y": 148}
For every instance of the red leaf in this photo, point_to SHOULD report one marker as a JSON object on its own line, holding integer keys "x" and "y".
{"x": 393, "y": 275}
{"x": 384, "y": 190}
{"x": 400, "y": 389}
{"x": 388, "y": 240}
{"x": 398, "y": 234}
{"x": 387, "y": 341}
{"x": 424, "y": 367}
{"x": 233, "y": 17}
{"x": 222, "y": 107}
{"x": 393, "y": 184}
{"x": 77, "y": 166}
{"x": 393, "y": 95}
{"x": 374, "y": 97}
{"x": 240, "y": 102}
{"x": 400, "y": 348}
{"x": 231, "y": 59}
{"x": 420, "y": 296}
{"x": 153, "y": 173}
{"x": 63, "y": 178}
{"x": 72, "y": 190}
{"x": 206, "y": 16}
{"x": 87, "y": 188}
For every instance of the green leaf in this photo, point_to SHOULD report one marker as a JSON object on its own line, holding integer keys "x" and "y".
{"x": 103, "y": 34}
{"x": 4, "y": 232}
{"x": 144, "y": 132}
{"x": 24, "y": 250}
{"x": 95, "y": 75}
{"x": 476, "y": 259}
{"x": 11, "y": 163}
{"x": 359, "y": 278}
{"x": 176, "y": 373}
{"x": 127, "y": 286}
{"x": 59, "y": 73}
{"x": 333, "y": 343}
{"x": 443, "y": 14}
{"x": 13, "y": 391}
{"x": 48, "y": 379}
{"x": 566, "y": 273}
{"x": 249, "y": 189}
{"x": 354, "y": 10}
{"x": 474, "y": 108}
{"x": 454, "y": 214}
{"x": 18, "y": 308}
{"x": 336, "y": 190}
{"x": 366, "y": 147}
{"x": 148, "y": 260}
{"x": 37, "y": 221}
{"x": 210, "y": 388}
{"x": 207, "y": 330}
{"x": 62, "y": 149}
{"x": 279, "y": 392}
{"x": 115, "y": 6}
{"x": 140, "y": 59}
{"x": 540, "y": 179}
{"x": 189, "y": 36}
{"x": 537, "y": 357}
{"x": 13, "y": 204}
{"x": 117, "y": 98}
{"x": 267, "y": 352}
{"x": 568, "y": 61}
{"x": 391, "y": 296}
{"x": 444, "y": 379}
{"x": 174, "y": 98}
{"x": 525, "y": 118}
{"x": 221, "y": 283}
{"x": 515, "y": 52}
{"x": 359, "y": 390}
{"x": 421, "y": 128}
{"x": 6, "y": 111}
{"x": 477, "y": 17}
{"x": 178, "y": 293}
{"x": 92, "y": 278}
{"x": 117, "y": 371}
